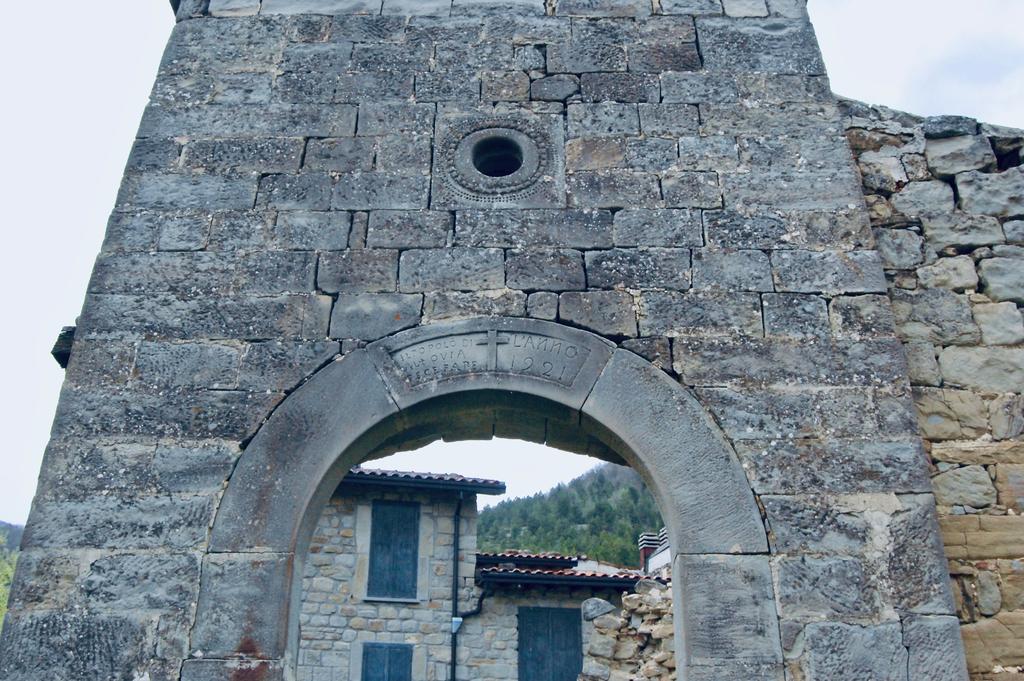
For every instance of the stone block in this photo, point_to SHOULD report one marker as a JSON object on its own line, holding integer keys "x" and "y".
{"x": 461, "y": 269}
{"x": 329, "y": 7}
{"x": 923, "y": 198}
{"x": 214, "y": 670}
{"x": 950, "y": 414}
{"x": 362, "y": 270}
{"x": 828, "y": 272}
{"x": 603, "y": 8}
{"x": 694, "y": 313}
{"x": 661, "y": 57}
{"x": 935, "y": 316}
{"x": 245, "y": 120}
{"x": 533, "y": 228}
{"x": 836, "y": 652}
{"x": 765, "y": 413}
{"x": 860, "y": 317}
{"x": 923, "y": 364}
{"x": 917, "y": 569}
{"x": 556, "y": 88}
{"x": 1003, "y": 279}
{"x": 651, "y": 154}
{"x": 453, "y": 305}
{"x": 704, "y": 153}
{"x": 1006, "y": 414}
{"x": 1014, "y": 230}
{"x": 812, "y": 588}
{"x": 197, "y": 467}
{"x": 956, "y": 274}
{"x": 395, "y": 119}
{"x": 993, "y": 642}
{"x": 835, "y": 466}
{"x": 950, "y": 156}
{"x": 994, "y": 369}
{"x": 369, "y": 316}
{"x": 935, "y": 648}
{"x": 814, "y": 524}
{"x": 697, "y": 88}
{"x": 643, "y": 268}
{"x": 179, "y": 191}
{"x": 997, "y": 194}
{"x": 759, "y": 45}
{"x": 408, "y": 229}
{"x": 900, "y": 249}
{"x": 665, "y": 227}
{"x": 605, "y": 119}
{"x": 505, "y": 86}
{"x": 312, "y": 231}
{"x": 374, "y": 85}
{"x": 1000, "y": 323}
{"x": 260, "y": 155}
{"x": 745, "y": 8}
{"x": 692, "y": 189}
{"x": 797, "y": 316}
{"x": 731, "y": 270}
{"x": 941, "y": 127}
{"x": 584, "y": 57}
{"x": 611, "y": 313}
{"x": 233, "y": 8}
{"x": 613, "y": 189}
{"x": 187, "y": 364}
{"x": 595, "y": 153}
{"x": 380, "y": 190}
{"x": 306, "y": 191}
{"x": 547, "y": 269}
{"x": 967, "y": 486}
{"x": 620, "y": 87}
{"x": 542, "y": 305}
{"x": 692, "y": 7}
{"x": 732, "y": 609}
{"x": 655, "y": 350}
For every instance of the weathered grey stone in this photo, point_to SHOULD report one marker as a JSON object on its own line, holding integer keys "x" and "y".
{"x": 664, "y": 56}
{"x": 731, "y": 270}
{"x": 882, "y": 173}
{"x": 961, "y": 230}
{"x": 369, "y": 316}
{"x": 183, "y": 191}
{"x": 263, "y": 155}
{"x": 305, "y": 231}
{"x": 651, "y": 154}
{"x": 547, "y": 269}
{"x": 531, "y": 228}
{"x": 950, "y": 156}
{"x": 997, "y": 194}
{"x": 364, "y": 270}
{"x": 839, "y": 467}
{"x": 1003, "y": 279}
{"x": 613, "y": 189}
{"x": 745, "y": 8}
{"x": 679, "y": 314}
{"x": 705, "y": 153}
{"x": 861, "y": 317}
{"x": 465, "y": 269}
{"x": 603, "y": 119}
{"x": 840, "y": 587}
{"x": 694, "y": 7}
{"x": 967, "y": 486}
{"x": 813, "y": 524}
{"x": 542, "y": 305}
{"x": 611, "y": 313}
{"x": 557, "y": 88}
{"x": 408, "y": 229}
{"x": 939, "y": 127}
{"x": 995, "y": 369}
{"x": 900, "y": 249}
{"x": 923, "y": 198}
{"x": 843, "y": 651}
{"x": 922, "y": 363}
{"x": 692, "y": 189}
{"x": 759, "y": 45}
{"x": 828, "y": 272}
{"x": 935, "y": 316}
{"x": 764, "y": 413}
{"x": 639, "y": 268}
{"x": 1007, "y": 416}
{"x": 620, "y": 87}
{"x": 918, "y": 572}
{"x": 187, "y": 364}
{"x": 739, "y": 589}
{"x": 792, "y": 315}
{"x": 640, "y": 227}
{"x": 956, "y": 274}
{"x": 990, "y": 599}
{"x": 380, "y": 190}
{"x": 1014, "y": 230}
{"x": 582, "y": 57}
{"x": 935, "y": 650}
{"x": 595, "y": 153}
{"x": 593, "y": 608}
{"x": 329, "y": 7}
{"x": 1000, "y": 323}
{"x": 233, "y": 8}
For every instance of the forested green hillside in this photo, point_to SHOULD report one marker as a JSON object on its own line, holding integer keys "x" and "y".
{"x": 10, "y": 538}
{"x": 599, "y": 514}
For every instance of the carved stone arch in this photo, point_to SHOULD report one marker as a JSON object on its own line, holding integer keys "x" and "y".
{"x": 440, "y": 381}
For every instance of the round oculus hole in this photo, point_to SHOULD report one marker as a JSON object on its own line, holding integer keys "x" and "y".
{"x": 497, "y": 156}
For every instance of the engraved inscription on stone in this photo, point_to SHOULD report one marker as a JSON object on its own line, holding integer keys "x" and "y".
{"x": 507, "y": 352}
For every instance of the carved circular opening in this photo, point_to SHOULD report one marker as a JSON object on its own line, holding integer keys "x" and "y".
{"x": 497, "y": 156}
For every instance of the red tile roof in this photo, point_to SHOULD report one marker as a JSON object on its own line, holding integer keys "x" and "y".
{"x": 512, "y": 555}
{"x": 562, "y": 577}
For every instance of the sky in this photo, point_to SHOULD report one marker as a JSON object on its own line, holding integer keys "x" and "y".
{"x": 77, "y": 80}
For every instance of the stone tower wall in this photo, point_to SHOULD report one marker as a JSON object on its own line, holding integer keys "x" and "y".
{"x": 295, "y": 192}
{"x": 946, "y": 197}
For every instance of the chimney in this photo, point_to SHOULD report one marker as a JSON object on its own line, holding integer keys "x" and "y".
{"x": 649, "y": 543}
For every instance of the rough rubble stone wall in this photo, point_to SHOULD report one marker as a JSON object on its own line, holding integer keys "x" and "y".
{"x": 947, "y": 204}
{"x": 285, "y": 202}
{"x": 635, "y": 643}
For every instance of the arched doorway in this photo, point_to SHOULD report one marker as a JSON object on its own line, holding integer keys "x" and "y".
{"x": 525, "y": 378}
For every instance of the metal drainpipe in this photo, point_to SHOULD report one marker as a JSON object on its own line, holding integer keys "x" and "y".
{"x": 456, "y": 620}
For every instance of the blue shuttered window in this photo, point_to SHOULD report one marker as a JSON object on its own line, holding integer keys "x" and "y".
{"x": 387, "y": 662}
{"x": 550, "y": 644}
{"x": 394, "y": 550}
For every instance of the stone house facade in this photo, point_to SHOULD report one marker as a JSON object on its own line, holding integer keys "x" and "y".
{"x": 347, "y": 621}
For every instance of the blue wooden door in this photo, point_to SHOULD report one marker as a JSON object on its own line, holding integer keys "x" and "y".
{"x": 394, "y": 550}
{"x": 387, "y": 662}
{"x": 550, "y": 644}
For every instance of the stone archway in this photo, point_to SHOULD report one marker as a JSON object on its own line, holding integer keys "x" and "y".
{"x": 425, "y": 383}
